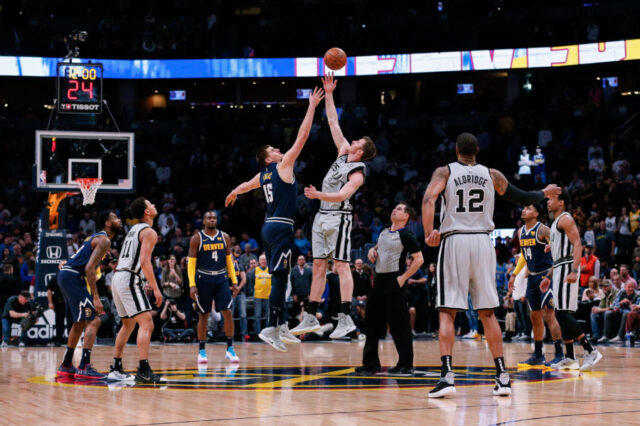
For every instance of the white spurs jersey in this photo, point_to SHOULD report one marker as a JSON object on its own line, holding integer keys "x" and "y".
{"x": 130, "y": 254}
{"x": 468, "y": 200}
{"x": 561, "y": 248}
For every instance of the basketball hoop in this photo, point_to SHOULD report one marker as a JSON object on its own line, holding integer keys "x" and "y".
{"x": 89, "y": 188}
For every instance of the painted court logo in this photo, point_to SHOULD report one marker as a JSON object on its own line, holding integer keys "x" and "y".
{"x": 238, "y": 378}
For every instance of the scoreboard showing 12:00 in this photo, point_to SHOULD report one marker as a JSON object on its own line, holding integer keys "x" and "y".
{"x": 79, "y": 88}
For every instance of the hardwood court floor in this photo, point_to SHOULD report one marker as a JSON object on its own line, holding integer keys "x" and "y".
{"x": 313, "y": 384}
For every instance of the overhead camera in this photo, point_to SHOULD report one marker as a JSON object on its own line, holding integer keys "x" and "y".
{"x": 72, "y": 42}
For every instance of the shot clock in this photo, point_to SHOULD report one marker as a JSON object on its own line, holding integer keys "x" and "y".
{"x": 79, "y": 88}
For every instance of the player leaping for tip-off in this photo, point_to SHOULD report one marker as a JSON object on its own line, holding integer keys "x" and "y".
{"x": 279, "y": 185}
{"x": 331, "y": 234}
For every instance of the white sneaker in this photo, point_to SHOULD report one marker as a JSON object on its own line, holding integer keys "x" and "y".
{"x": 444, "y": 387}
{"x": 119, "y": 376}
{"x": 362, "y": 337}
{"x": 603, "y": 339}
{"x": 590, "y": 359}
{"x": 271, "y": 336}
{"x": 324, "y": 329}
{"x": 309, "y": 324}
{"x": 21, "y": 345}
{"x": 4, "y": 345}
{"x": 230, "y": 355}
{"x": 567, "y": 364}
{"x": 503, "y": 385}
{"x": 202, "y": 357}
{"x": 469, "y": 335}
{"x": 616, "y": 339}
{"x": 286, "y": 336}
{"x": 345, "y": 326}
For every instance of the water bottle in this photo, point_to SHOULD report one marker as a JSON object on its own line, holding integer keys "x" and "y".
{"x": 627, "y": 340}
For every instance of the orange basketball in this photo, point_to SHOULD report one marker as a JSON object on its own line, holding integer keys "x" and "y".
{"x": 335, "y": 58}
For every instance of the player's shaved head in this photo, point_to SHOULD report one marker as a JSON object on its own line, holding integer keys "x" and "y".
{"x": 466, "y": 144}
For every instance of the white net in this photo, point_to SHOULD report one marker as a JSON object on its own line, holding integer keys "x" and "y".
{"x": 89, "y": 188}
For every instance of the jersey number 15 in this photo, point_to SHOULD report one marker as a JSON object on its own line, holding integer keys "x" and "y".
{"x": 268, "y": 192}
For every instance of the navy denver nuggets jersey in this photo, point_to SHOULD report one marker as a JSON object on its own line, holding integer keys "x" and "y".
{"x": 212, "y": 252}
{"x": 279, "y": 195}
{"x": 80, "y": 259}
{"x": 533, "y": 250}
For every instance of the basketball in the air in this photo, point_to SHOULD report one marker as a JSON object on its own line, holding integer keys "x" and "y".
{"x": 335, "y": 58}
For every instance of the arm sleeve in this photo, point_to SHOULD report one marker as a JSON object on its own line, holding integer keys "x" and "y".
{"x": 191, "y": 271}
{"x": 520, "y": 197}
{"x": 409, "y": 241}
{"x": 521, "y": 264}
{"x": 231, "y": 270}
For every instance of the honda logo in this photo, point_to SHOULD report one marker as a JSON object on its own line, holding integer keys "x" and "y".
{"x": 54, "y": 252}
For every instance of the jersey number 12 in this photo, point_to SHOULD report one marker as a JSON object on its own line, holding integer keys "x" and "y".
{"x": 476, "y": 197}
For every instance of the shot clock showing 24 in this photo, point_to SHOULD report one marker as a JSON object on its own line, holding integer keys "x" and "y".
{"x": 79, "y": 88}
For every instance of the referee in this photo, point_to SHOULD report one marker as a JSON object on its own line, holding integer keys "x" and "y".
{"x": 386, "y": 302}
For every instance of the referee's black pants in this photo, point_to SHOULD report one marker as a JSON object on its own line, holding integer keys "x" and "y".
{"x": 386, "y": 304}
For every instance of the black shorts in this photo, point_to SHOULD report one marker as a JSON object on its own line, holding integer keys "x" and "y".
{"x": 213, "y": 288}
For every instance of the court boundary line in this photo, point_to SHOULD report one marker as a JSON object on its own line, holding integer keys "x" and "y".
{"x": 329, "y": 413}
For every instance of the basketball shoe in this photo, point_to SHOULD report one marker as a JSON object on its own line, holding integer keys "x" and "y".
{"x": 590, "y": 359}
{"x": 309, "y": 324}
{"x": 444, "y": 387}
{"x": 286, "y": 336}
{"x": 202, "y": 357}
{"x": 230, "y": 355}
{"x": 89, "y": 373}
{"x": 345, "y": 326}
{"x": 503, "y": 385}
{"x": 271, "y": 335}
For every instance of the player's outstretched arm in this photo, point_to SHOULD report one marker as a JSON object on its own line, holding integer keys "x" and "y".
{"x": 436, "y": 186}
{"x": 356, "y": 179}
{"x": 290, "y": 157}
{"x": 516, "y": 195}
{"x": 341, "y": 142}
{"x": 244, "y": 187}
{"x": 102, "y": 244}
{"x": 148, "y": 239}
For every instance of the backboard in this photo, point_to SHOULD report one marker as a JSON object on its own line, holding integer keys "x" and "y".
{"x": 63, "y": 156}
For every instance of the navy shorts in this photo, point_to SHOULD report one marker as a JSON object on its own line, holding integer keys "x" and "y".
{"x": 77, "y": 299}
{"x": 278, "y": 241}
{"x": 535, "y": 297}
{"x": 213, "y": 288}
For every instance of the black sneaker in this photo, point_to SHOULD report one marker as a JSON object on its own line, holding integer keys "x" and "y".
{"x": 148, "y": 377}
{"x": 400, "y": 371}
{"x": 503, "y": 385}
{"x": 366, "y": 370}
{"x": 444, "y": 387}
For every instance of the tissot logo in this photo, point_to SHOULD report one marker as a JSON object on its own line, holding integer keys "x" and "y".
{"x": 54, "y": 252}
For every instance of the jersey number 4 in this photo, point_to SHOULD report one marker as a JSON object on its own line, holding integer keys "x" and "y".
{"x": 268, "y": 192}
{"x": 473, "y": 201}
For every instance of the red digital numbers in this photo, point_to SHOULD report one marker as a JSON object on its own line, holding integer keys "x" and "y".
{"x": 72, "y": 90}
{"x": 89, "y": 90}
{"x": 85, "y": 86}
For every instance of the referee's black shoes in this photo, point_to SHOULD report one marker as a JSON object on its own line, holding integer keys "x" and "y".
{"x": 444, "y": 387}
{"x": 400, "y": 371}
{"x": 147, "y": 376}
{"x": 366, "y": 370}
